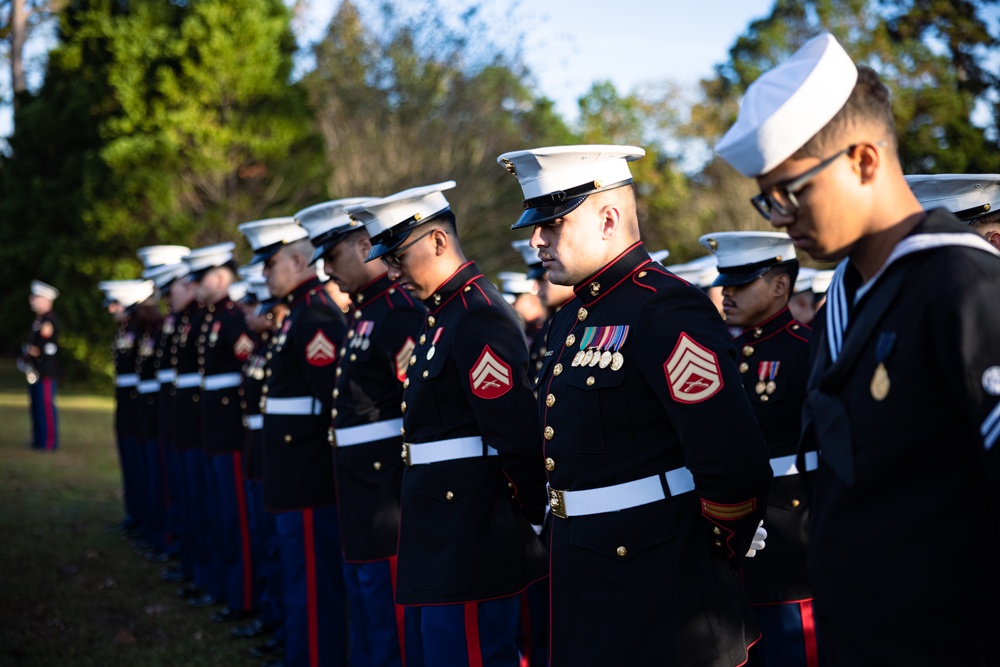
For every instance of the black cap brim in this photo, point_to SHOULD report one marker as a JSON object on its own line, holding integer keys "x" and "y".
{"x": 738, "y": 278}
{"x": 545, "y": 214}
{"x": 266, "y": 306}
{"x": 535, "y": 272}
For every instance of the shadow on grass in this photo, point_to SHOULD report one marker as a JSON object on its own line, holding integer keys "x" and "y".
{"x": 72, "y": 592}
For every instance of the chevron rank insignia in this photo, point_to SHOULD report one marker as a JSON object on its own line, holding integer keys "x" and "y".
{"x": 403, "y": 358}
{"x": 243, "y": 347}
{"x": 320, "y": 351}
{"x": 692, "y": 371}
{"x": 490, "y": 377}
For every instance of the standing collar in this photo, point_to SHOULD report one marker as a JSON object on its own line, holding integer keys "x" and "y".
{"x": 768, "y": 327}
{"x": 372, "y": 290}
{"x": 612, "y": 274}
{"x": 311, "y": 285}
{"x": 452, "y": 286}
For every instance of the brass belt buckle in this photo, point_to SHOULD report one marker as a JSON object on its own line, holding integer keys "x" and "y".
{"x": 557, "y": 503}
{"x": 406, "y": 453}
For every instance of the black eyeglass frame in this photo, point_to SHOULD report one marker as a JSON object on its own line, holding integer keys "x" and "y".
{"x": 765, "y": 203}
{"x": 393, "y": 259}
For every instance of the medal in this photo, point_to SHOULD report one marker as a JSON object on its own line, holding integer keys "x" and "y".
{"x": 430, "y": 353}
{"x": 587, "y": 356}
{"x": 578, "y": 358}
{"x": 365, "y": 343}
{"x": 605, "y": 359}
{"x": 583, "y": 357}
{"x": 771, "y": 386}
{"x": 437, "y": 336}
{"x": 880, "y": 379}
{"x": 760, "y": 387}
{"x": 596, "y": 359}
{"x": 617, "y": 361}
{"x": 603, "y": 344}
{"x": 880, "y": 383}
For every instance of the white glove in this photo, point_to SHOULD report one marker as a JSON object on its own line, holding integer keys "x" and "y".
{"x": 537, "y": 528}
{"x": 758, "y": 540}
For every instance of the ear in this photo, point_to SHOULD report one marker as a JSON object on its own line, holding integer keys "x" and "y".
{"x": 611, "y": 221}
{"x": 867, "y": 160}
{"x": 364, "y": 247}
{"x": 780, "y": 285}
{"x": 993, "y": 238}
{"x": 441, "y": 241}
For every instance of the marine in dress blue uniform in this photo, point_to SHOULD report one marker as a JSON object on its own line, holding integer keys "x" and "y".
{"x": 903, "y": 398}
{"x": 367, "y": 427}
{"x": 224, "y": 345}
{"x": 757, "y": 272}
{"x": 42, "y": 368}
{"x": 973, "y": 198}
{"x": 655, "y": 500}
{"x": 473, "y": 483}
{"x": 298, "y": 460}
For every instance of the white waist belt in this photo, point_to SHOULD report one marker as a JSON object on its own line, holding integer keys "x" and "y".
{"x": 221, "y": 381}
{"x": 622, "y": 496}
{"x": 149, "y": 386}
{"x": 188, "y": 380}
{"x": 167, "y": 376}
{"x": 297, "y": 405}
{"x": 127, "y": 380}
{"x": 444, "y": 450}
{"x": 359, "y": 435}
{"x": 255, "y": 422}
{"x": 783, "y": 466}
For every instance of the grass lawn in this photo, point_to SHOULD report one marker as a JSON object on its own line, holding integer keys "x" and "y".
{"x": 71, "y": 591}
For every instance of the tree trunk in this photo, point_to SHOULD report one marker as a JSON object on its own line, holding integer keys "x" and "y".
{"x": 18, "y": 36}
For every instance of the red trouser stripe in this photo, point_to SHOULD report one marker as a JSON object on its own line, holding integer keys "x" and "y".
{"x": 400, "y": 612}
{"x": 472, "y": 634}
{"x": 50, "y": 414}
{"x": 526, "y": 629}
{"x": 241, "y": 507}
{"x": 312, "y": 618}
{"x": 809, "y": 632}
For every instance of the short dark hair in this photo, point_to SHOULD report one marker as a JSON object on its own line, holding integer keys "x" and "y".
{"x": 990, "y": 218}
{"x": 447, "y": 219}
{"x": 869, "y": 104}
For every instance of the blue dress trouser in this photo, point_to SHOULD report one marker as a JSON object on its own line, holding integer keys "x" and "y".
{"x": 234, "y": 549}
{"x": 266, "y": 557}
{"x": 471, "y": 634}
{"x": 44, "y": 418}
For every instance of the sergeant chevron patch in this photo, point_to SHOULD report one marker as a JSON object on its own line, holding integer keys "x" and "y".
{"x": 320, "y": 351}
{"x": 403, "y": 358}
{"x": 490, "y": 377}
{"x": 243, "y": 347}
{"x": 692, "y": 371}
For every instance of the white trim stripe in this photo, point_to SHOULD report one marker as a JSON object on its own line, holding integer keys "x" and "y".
{"x": 990, "y": 429}
{"x": 221, "y": 381}
{"x": 360, "y": 435}
{"x": 294, "y": 405}
{"x": 149, "y": 386}
{"x": 127, "y": 380}
{"x": 188, "y": 380}
{"x": 166, "y": 375}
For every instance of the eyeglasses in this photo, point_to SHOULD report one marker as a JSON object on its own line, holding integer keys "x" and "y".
{"x": 781, "y": 198}
{"x": 393, "y": 259}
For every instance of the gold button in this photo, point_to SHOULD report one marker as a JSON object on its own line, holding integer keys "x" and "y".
{"x": 413, "y": 359}
{"x": 263, "y": 389}
{"x": 763, "y": 398}
{"x": 267, "y": 373}
{"x": 449, "y": 496}
{"x": 796, "y": 502}
{"x": 550, "y": 465}
{"x": 266, "y": 356}
{"x": 288, "y": 438}
{"x": 339, "y": 371}
{"x": 557, "y": 369}
{"x": 392, "y": 290}
{"x": 718, "y": 543}
{"x": 590, "y": 381}
{"x": 402, "y": 430}
{"x": 467, "y": 289}
{"x": 330, "y": 437}
{"x": 716, "y": 530}
{"x": 581, "y": 314}
{"x": 757, "y": 333}
{"x": 549, "y": 432}
{"x": 747, "y": 350}
{"x": 336, "y": 393}
{"x": 621, "y": 551}
{"x": 570, "y": 339}
{"x": 402, "y": 406}
{"x": 406, "y": 383}
{"x": 423, "y": 339}
{"x": 361, "y": 297}
{"x": 744, "y": 367}
{"x": 550, "y": 400}
{"x": 225, "y": 400}
{"x": 795, "y": 327}
{"x": 354, "y": 357}
{"x": 430, "y": 320}
{"x": 334, "y": 413}
{"x": 437, "y": 299}
{"x": 357, "y": 314}
{"x": 642, "y": 274}
{"x": 350, "y": 334}
{"x": 377, "y": 465}
{"x": 424, "y": 374}
{"x": 195, "y": 398}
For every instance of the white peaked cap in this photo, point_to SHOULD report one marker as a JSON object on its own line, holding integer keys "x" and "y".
{"x": 165, "y": 274}
{"x": 258, "y": 286}
{"x": 786, "y": 106}
{"x": 542, "y": 171}
{"x": 330, "y": 216}
{"x": 251, "y": 272}
{"x": 528, "y": 254}
{"x": 413, "y": 205}
{"x": 659, "y": 255}
{"x": 514, "y": 282}
{"x": 745, "y": 256}
{"x": 210, "y": 256}
{"x": 158, "y": 255}
{"x": 127, "y": 292}
{"x": 966, "y": 195}
{"x": 803, "y": 282}
{"x": 238, "y": 289}
{"x": 700, "y": 271}
{"x": 267, "y": 236}
{"x": 821, "y": 281}
{"x": 38, "y": 288}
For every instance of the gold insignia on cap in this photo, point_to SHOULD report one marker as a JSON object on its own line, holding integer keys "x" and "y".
{"x": 778, "y": 258}
{"x": 595, "y": 287}
{"x": 713, "y": 245}
{"x": 598, "y": 183}
{"x": 509, "y": 166}
{"x": 417, "y": 217}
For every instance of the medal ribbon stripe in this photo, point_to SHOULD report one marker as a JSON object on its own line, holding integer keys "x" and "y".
{"x": 990, "y": 429}
{"x": 588, "y": 335}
